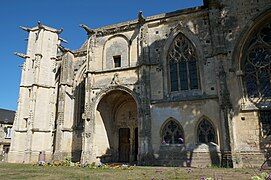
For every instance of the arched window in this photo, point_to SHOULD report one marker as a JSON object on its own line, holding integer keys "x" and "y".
{"x": 206, "y": 132}
{"x": 172, "y": 133}
{"x": 182, "y": 64}
{"x": 79, "y": 103}
{"x": 257, "y": 63}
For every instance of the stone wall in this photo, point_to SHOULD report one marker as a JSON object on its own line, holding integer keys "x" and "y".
{"x": 35, "y": 118}
{"x": 49, "y": 105}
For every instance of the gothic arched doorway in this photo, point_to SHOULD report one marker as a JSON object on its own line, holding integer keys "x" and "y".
{"x": 116, "y": 128}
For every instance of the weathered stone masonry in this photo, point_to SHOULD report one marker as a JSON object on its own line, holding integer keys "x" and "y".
{"x": 170, "y": 89}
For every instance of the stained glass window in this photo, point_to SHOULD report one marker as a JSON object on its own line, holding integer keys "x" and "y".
{"x": 183, "y": 69}
{"x": 172, "y": 133}
{"x": 174, "y": 76}
{"x": 257, "y": 64}
{"x": 206, "y": 132}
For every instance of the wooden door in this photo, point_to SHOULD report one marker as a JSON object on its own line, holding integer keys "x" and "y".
{"x": 124, "y": 144}
{"x": 136, "y": 144}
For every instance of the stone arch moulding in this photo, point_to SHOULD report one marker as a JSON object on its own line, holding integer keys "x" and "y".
{"x": 212, "y": 123}
{"x": 166, "y": 122}
{"x": 117, "y": 109}
{"x": 111, "y": 38}
{"x": 195, "y": 42}
{"x": 107, "y": 90}
{"x": 242, "y": 44}
{"x": 97, "y": 99}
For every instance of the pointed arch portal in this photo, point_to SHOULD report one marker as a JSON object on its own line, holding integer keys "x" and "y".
{"x": 116, "y": 125}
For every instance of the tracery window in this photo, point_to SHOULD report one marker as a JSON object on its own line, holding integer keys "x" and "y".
{"x": 257, "y": 64}
{"x": 172, "y": 133}
{"x": 265, "y": 119}
{"x": 206, "y": 132}
{"x": 182, "y": 62}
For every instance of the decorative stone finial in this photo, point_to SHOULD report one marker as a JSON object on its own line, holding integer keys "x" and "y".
{"x": 40, "y": 26}
{"x": 141, "y": 18}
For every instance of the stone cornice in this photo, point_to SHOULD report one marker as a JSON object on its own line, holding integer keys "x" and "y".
{"x": 41, "y": 26}
{"x": 188, "y": 98}
{"x": 41, "y": 130}
{"x": 20, "y": 130}
{"x": 79, "y": 53}
{"x": 67, "y": 129}
{"x": 38, "y": 85}
{"x": 130, "y": 25}
{"x": 122, "y": 68}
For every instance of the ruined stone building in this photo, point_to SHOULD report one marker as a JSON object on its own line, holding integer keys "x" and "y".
{"x": 190, "y": 88}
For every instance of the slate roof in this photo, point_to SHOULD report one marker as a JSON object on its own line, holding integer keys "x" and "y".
{"x": 6, "y": 116}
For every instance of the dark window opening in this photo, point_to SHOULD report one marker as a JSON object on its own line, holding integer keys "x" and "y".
{"x": 183, "y": 70}
{"x": 257, "y": 66}
{"x": 80, "y": 104}
{"x": 183, "y": 75}
{"x": 6, "y": 149}
{"x": 33, "y": 63}
{"x": 8, "y": 132}
{"x": 173, "y": 76}
{"x": 265, "y": 119}
{"x": 172, "y": 133}
{"x": 206, "y": 132}
{"x": 25, "y": 122}
{"x": 117, "y": 61}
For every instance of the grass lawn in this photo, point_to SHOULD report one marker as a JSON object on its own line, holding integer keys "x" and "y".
{"x": 23, "y": 171}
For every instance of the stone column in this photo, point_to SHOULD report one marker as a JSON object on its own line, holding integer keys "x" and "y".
{"x": 65, "y": 101}
{"x": 144, "y": 116}
{"x": 219, "y": 53}
{"x": 88, "y": 155}
{"x": 89, "y": 120}
{"x": 226, "y": 115}
{"x": 59, "y": 123}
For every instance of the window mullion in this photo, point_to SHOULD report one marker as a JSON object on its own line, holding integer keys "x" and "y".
{"x": 172, "y": 138}
{"x": 178, "y": 75}
{"x": 188, "y": 75}
{"x": 258, "y": 84}
{"x": 198, "y": 76}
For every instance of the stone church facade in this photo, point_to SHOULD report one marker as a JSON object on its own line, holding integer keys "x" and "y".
{"x": 189, "y": 88}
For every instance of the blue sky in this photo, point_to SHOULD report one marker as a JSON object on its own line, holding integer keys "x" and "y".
{"x": 67, "y": 14}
